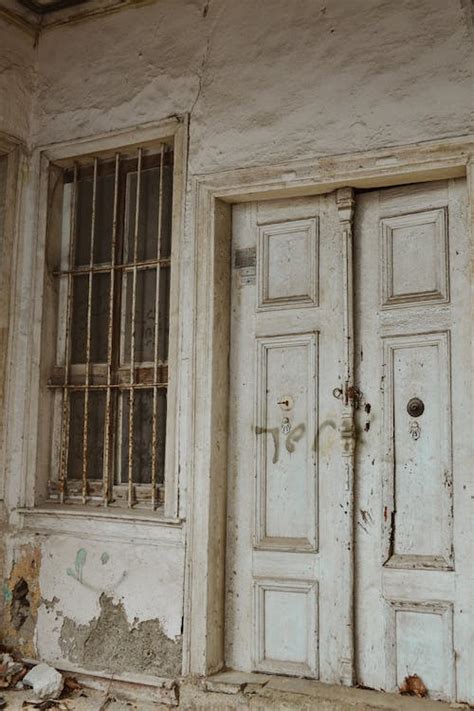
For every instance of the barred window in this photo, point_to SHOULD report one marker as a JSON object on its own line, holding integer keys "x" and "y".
{"x": 109, "y": 234}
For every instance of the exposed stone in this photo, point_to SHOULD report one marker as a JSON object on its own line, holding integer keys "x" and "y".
{"x": 110, "y": 643}
{"x": 21, "y": 591}
{"x": 20, "y": 604}
{"x": 47, "y": 683}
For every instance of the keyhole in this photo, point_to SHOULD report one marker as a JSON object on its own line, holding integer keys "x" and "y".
{"x": 286, "y": 402}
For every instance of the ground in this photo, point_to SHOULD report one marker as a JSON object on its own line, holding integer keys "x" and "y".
{"x": 232, "y": 690}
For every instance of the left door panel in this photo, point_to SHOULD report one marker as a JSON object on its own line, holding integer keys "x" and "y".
{"x": 288, "y": 592}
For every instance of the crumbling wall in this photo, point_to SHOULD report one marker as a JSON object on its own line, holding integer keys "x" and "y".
{"x": 17, "y": 85}
{"x": 111, "y": 643}
{"x": 111, "y": 606}
{"x": 21, "y": 598}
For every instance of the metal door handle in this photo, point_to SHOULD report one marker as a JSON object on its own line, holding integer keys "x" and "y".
{"x": 415, "y": 407}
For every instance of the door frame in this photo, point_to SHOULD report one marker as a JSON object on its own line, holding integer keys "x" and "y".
{"x": 213, "y": 196}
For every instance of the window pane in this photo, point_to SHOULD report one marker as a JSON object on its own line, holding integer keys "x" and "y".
{"x": 83, "y": 222}
{"x": 103, "y": 220}
{"x": 144, "y": 315}
{"x": 166, "y": 216}
{"x": 99, "y": 318}
{"x": 164, "y": 315}
{"x": 143, "y": 436}
{"x": 148, "y": 214}
{"x": 95, "y": 434}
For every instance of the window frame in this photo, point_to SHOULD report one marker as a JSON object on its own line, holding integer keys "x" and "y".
{"x": 11, "y": 149}
{"x": 174, "y": 133}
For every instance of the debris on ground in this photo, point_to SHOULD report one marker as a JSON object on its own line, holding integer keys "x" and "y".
{"x": 47, "y": 683}
{"x": 46, "y": 704}
{"x": 106, "y": 703}
{"x": 71, "y": 684}
{"x": 414, "y": 686}
{"x": 11, "y": 671}
{"x": 3, "y": 703}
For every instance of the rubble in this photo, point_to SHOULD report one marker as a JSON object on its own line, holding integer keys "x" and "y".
{"x": 11, "y": 671}
{"x": 47, "y": 683}
{"x": 46, "y": 704}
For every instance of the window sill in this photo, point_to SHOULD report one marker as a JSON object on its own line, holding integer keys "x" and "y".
{"x": 124, "y": 524}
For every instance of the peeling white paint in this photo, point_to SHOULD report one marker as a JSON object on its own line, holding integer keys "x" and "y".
{"x": 147, "y": 580}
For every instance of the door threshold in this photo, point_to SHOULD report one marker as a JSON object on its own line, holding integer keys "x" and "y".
{"x": 271, "y": 690}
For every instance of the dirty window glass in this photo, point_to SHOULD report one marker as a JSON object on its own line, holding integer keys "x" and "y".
{"x": 112, "y": 373}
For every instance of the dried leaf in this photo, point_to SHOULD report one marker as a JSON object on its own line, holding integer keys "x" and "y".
{"x": 413, "y": 686}
{"x": 71, "y": 684}
{"x": 45, "y": 704}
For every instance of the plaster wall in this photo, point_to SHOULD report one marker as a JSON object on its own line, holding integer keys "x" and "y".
{"x": 17, "y": 80}
{"x": 17, "y": 85}
{"x": 95, "y": 601}
{"x": 262, "y": 82}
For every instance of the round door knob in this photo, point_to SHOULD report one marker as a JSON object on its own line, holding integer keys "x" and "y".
{"x": 415, "y": 407}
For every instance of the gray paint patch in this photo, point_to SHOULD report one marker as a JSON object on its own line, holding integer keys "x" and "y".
{"x": 110, "y": 643}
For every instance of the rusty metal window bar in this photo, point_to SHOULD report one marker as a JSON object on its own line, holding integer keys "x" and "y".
{"x": 111, "y": 374}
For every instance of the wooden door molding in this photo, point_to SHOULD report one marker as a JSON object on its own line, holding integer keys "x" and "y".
{"x": 213, "y": 196}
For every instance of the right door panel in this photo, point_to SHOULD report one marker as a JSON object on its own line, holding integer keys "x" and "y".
{"x": 413, "y": 367}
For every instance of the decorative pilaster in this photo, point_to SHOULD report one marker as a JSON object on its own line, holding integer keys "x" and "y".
{"x": 345, "y": 206}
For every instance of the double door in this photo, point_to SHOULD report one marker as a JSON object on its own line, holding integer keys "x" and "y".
{"x": 348, "y": 542}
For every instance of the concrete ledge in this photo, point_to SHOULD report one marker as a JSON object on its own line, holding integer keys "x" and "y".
{"x": 231, "y": 689}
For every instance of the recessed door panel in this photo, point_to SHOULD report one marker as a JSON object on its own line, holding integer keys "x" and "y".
{"x": 285, "y": 467}
{"x": 418, "y": 431}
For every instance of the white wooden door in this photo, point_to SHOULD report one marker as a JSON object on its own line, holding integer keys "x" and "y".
{"x": 289, "y": 561}
{"x": 333, "y": 574}
{"x": 414, "y": 549}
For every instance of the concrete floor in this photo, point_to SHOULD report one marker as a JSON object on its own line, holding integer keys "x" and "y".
{"x": 90, "y": 700}
{"x": 233, "y": 690}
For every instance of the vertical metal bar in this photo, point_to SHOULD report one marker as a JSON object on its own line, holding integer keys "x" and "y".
{"x": 154, "y": 434}
{"x": 131, "y": 401}
{"x": 85, "y": 433}
{"x": 108, "y": 397}
{"x": 65, "y": 424}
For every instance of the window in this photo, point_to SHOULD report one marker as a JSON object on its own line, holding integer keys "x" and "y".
{"x": 108, "y": 296}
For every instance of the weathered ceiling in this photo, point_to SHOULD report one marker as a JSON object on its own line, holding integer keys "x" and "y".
{"x": 44, "y": 6}
{"x": 35, "y": 14}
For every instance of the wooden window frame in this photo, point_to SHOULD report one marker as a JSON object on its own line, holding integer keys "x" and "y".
{"x": 172, "y": 132}
{"x": 12, "y": 150}
{"x": 116, "y": 377}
